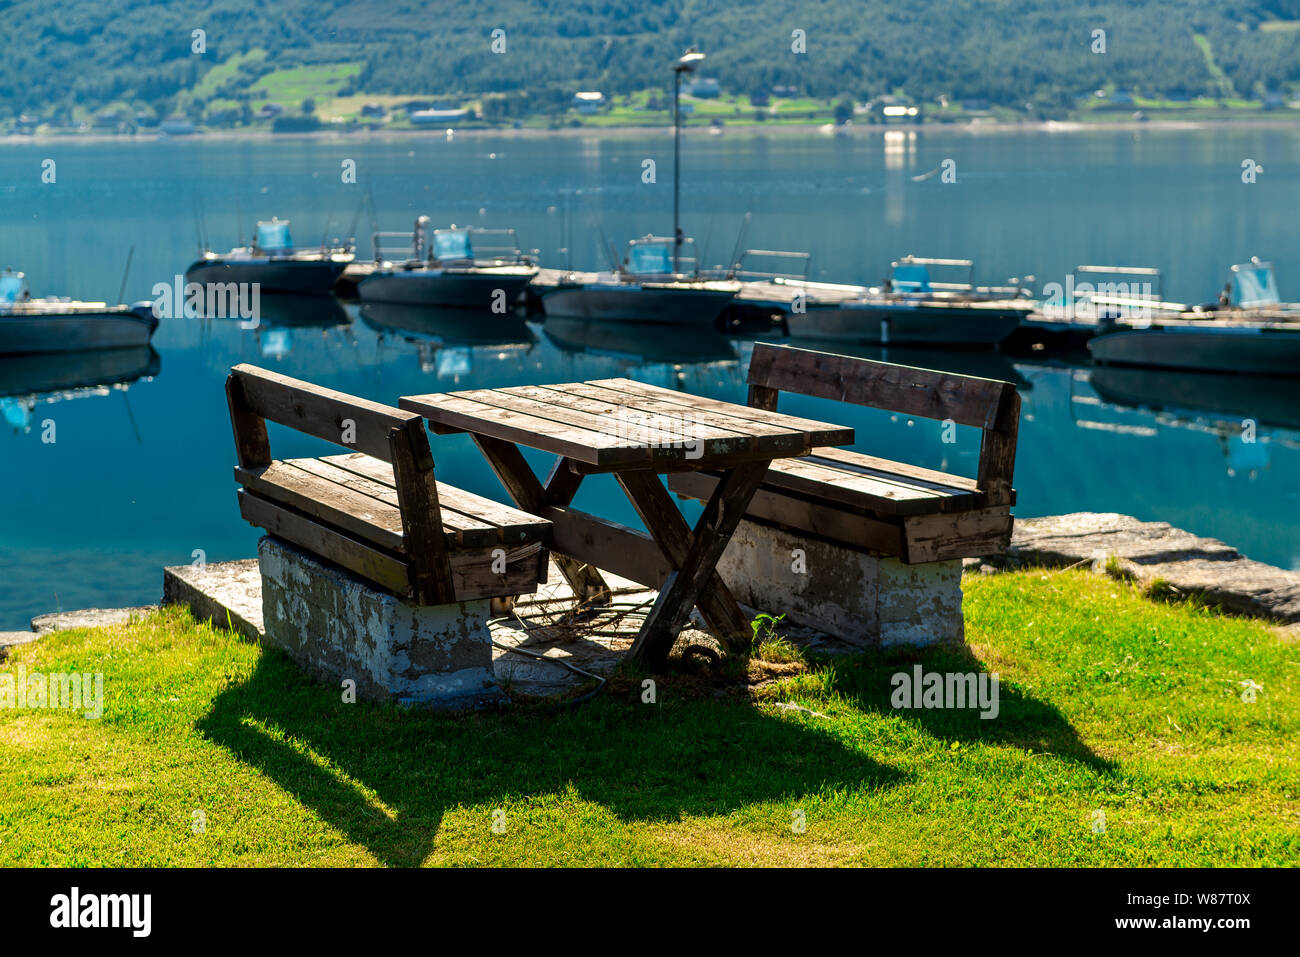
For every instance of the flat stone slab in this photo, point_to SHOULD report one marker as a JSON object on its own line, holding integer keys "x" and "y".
{"x": 1156, "y": 550}
{"x": 87, "y": 618}
{"x": 228, "y": 594}
{"x": 10, "y": 638}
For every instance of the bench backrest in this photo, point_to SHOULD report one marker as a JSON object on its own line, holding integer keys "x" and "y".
{"x": 990, "y": 405}
{"x": 257, "y": 396}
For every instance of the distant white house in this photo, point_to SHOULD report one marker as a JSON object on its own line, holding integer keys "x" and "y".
{"x": 588, "y": 101}
{"x": 430, "y": 117}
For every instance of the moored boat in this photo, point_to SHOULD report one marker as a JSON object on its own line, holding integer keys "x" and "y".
{"x": 909, "y": 308}
{"x": 645, "y": 287}
{"x": 1248, "y": 331}
{"x": 1213, "y": 345}
{"x": 57, "y": 324}
{"x": 448, "y": 270}
{"x": 274, "y": 264}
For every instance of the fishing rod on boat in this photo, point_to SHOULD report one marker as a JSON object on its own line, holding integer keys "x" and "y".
{"x": 130, "y": 253}
{"x": 198, "y": 226}
{"x": 740, "y": 239}
{"x": 701, "y": 257}
{"x": 605, "y": 243}
{"x": 352, "y": 230}
{"x": 239, "y": 221}
{"x": 202, "y": 224}
{"x": 374, "y": 223}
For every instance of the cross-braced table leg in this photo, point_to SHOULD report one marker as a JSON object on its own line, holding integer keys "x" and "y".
{"x": 694, "y": 555}
{"x": 529, "y": 494}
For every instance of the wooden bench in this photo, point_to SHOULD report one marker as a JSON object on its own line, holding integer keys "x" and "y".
{"x": 887, "y": 508}
{"x": 377, "y": 510}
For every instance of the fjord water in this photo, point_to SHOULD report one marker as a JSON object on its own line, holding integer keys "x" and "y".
{"x": 139, "y": 478}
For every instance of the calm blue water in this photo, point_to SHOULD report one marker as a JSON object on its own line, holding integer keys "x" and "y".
{"x": 140, "y": 477}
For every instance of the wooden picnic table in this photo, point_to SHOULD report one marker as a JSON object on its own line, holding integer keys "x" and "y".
{"x": 635, "y": 431}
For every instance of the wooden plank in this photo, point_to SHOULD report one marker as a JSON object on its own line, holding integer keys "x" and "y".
{"x": 471, "y": 519}
{"x": 375, "y": 521}
{"x": 529, "y": 494}
{"x": 554, "y": 407}
{"x": 862, "y": 491}
{"x": 723, "y": 434}
{"x": 937, "y": 538}
{"x": 818, "y": 519}
{"x": 387, "y": 571}
{"x": 417, "y": 495}
{"x": 318, "y": 411}
{"x": 685, "y": 424}
{"x": 474, "y": 577}
{"x": 586, "y": 581}
{"x": 599, "y": 543}
{"x": 998, "y": 454}
{"x": 692, "y": 584}
{"x": 666, "y": 463}
{"x": 911, "y": 472}
{"x": 252, "y": 445}
{"x": 471, "y": 570}
{"x": 817, "y": 433}
{"x": 967, "y": 400}
{"x": 460, "y": 530}
{"x": 467, "y": 415}
{"x": 674, "y": 538}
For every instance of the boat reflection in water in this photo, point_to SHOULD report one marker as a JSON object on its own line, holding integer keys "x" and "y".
{"x": 282, "y": 317}
{"x": 446, "y": 340}
{"x": 986, "y": 364}
{"x": 642, "y": 342}
{"x": 28, "y": 381}
{"x": 1247, "y": 414}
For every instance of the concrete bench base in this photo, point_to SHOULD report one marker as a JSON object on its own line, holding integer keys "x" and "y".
{"x": 338, "y": 627}
{"x": 856, "y": 597}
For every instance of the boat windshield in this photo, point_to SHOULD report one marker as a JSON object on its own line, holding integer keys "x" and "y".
{"x": 11, "y": 288}
{"x": 910, "y": 278}
{"x": 1256, "y": 285}
{"x": 649, "y": 259}
{"x": 273, "y": 237}
{"x": 452, "y": 244}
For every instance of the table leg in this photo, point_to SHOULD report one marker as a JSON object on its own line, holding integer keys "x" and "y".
{"x": 695, "y": 580}
{"x": 529, "y": 494}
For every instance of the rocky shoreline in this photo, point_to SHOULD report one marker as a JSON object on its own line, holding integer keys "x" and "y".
{"x": 1156, "y": 553}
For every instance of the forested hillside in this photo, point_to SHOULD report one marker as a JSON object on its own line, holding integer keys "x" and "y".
{"x": 63, "y": 54}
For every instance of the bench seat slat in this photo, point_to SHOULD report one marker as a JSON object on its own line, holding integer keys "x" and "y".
{"x": 864, "y": 460}
{"x": 889, "y": 494}
{"x": 360, "y": 515}
{"x": 513, "y": 526}
{"x": 460, "y": 529}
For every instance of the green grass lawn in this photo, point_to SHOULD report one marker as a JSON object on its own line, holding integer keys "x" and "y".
{"x": 1110, "y": 702}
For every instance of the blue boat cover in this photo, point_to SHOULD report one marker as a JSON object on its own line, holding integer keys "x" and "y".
{"x": 451, "y": 244}
{"x": 273, "y": 237}
{"x": 1256, "y": 285}
{"x": 911, "y": 278}
{"x": 649, "y": 259}
{"x": 11, "y": 287}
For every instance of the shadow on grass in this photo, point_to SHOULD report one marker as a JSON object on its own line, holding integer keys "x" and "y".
{"x": 1022, "y": 720}
{"x": 384, "y": 777}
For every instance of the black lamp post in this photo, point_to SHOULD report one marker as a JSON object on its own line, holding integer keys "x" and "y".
{"x": 686, "y": 64}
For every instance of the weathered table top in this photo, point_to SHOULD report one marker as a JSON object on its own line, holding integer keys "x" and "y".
{"x": 616, "y": 424}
